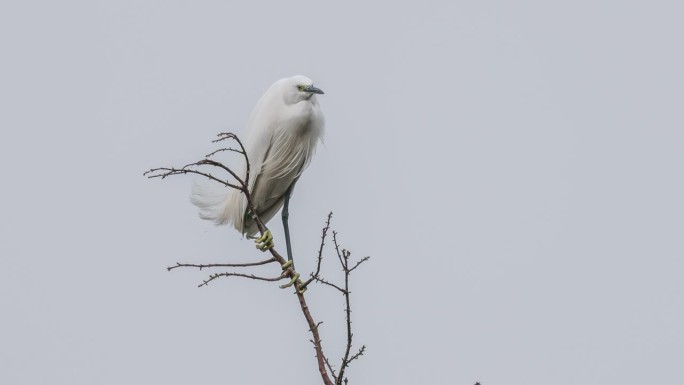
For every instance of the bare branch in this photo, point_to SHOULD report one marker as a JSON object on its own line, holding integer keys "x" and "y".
{"x": 321, "y": 280}
{"x": 357, "y": 355}
{"x": 225, "y": 136}
{"x": 364, "y": 259}
{"x": 330, "y": 368}
{"x": 221, "y": 166}
{"x": 337, "y": 249}
{"x": 324, "y": 234}
{"x": 264, "y": 262}
{"x": 222, "y": 150}
{"x": 250, "y": 276}
{"x": 343, "y": 256}
{"x": 229, "y": 135}
{"x": 320, "y": 251}
{"x": 318, "y": 345}
{"x": 163, "y": 172}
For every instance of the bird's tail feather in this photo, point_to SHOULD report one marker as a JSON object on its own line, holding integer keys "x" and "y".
{"x": 219, "y": 204}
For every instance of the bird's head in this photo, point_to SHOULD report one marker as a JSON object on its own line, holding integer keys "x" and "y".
{"x": 298, "y": 88}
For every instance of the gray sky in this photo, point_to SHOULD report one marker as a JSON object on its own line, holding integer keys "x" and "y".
{"x": 513, "y": 168}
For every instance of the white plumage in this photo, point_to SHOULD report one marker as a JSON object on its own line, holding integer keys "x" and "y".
{"x": 282, "y": 133}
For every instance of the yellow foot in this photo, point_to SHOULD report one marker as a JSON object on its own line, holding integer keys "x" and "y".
{"x": 265, "y": 242}
{"x": 300, "y": 289}
{"x": 294, "y": 280}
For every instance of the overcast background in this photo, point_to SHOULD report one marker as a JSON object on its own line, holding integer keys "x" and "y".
{"x": 513, "y": 168}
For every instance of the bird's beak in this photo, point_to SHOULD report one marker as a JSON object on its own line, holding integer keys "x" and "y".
{"x": 313, "y": 90}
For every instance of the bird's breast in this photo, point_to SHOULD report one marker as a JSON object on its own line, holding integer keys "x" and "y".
{"x": 304, "y": 119}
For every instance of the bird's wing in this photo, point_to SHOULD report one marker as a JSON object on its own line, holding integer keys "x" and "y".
{"x": 222, "y": 204}
{"x": 292, "y": 145}
{"x": 282, "y": 163}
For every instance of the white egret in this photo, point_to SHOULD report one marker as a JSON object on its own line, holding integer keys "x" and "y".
{"x": 282, "y": 133}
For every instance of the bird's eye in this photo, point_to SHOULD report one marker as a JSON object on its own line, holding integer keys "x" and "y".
{"x": 301, "y": 88}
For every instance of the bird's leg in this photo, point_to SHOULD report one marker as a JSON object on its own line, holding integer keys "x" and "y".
{"x": 286, "y": 227}
{"x": 265, "y": 242}
{"x": 290, "y": 262}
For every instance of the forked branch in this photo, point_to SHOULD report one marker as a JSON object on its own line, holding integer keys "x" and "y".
{"x": 235, "y": 181}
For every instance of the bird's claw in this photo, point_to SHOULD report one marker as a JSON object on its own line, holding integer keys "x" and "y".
{"x": 301, "y": 287}
{"x": 265, "y": 242}
{"x": 295, "y": 278}
{"x": 295, "y": 281}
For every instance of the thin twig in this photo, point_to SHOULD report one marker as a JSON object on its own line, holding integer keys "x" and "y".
{"x": 337, "y": 249}
{"x": 264, "y": 262}
{"x": 323, "y": 281}
{"x": 344, "y": 260}
{"x": 364, "y": 259}
{"x": 222, "y": 150}
{"x": 180, "y": 171}
{"x": 251, "y": 276}
{"x": 320, "y": 251}
{"x": 330, "y": 368}
{"x": 229, "y": 135}
{"x": 358, "y": 354}
{"x": 344, "y": 257}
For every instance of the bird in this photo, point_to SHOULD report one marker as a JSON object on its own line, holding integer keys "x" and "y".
{"x": 282, "y": 133}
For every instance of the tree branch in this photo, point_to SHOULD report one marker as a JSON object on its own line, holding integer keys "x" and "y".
{"x": 325, "y": 369}
{"x": 320, "y": 251}
{"x": 358, "y": 354}
{"x": 364, "y": 259}
{"x": 250, "y": 276}
{"x": 344, "y": 257}
{"x": 330, "y": 368}
{"x": 264, "y": 262}
{"x": 321, "y": 280}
